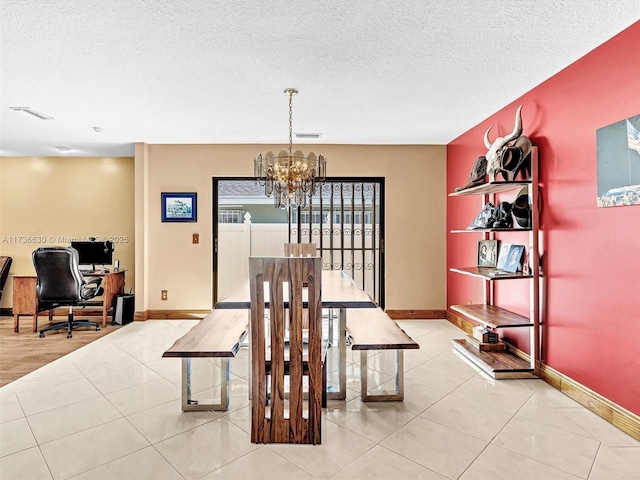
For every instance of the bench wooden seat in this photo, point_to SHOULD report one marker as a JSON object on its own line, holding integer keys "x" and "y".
{"x": 219, "y": 334}
{"x": 372, "y": 329}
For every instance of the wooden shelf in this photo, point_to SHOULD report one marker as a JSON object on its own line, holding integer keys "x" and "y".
{"x": 493, "y": 187}
{"x": 497, "y": 364}
{"x": 492, "y": 316}
{"x": 488, "y": 273}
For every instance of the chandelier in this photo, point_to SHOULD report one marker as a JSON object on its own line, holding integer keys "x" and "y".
{"x": 292, "y": 177}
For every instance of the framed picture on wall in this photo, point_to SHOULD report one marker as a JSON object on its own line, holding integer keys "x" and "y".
{"x": 179, "y": 207}
{"x": 487, "y": 253}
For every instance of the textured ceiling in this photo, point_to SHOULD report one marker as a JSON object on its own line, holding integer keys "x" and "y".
{"x": 214, "y": 71}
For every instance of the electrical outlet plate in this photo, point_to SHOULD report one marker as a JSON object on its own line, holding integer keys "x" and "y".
{"x": 164, "y": 295}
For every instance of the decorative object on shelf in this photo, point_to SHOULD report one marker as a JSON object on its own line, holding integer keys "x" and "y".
{"x": 618, "y": 156}
{"x": 503, "y": 216}
{"x": 521, "y": 208}
{"x": 488, "y": 253}
{"x": 179, "y": 207}
{"x": 514, "y": 259}
{"x": 484, "y": 335}
{"x": 291, "y": 175}
{"x": 478, "y": 174}
{"x": 505, "y": 157}
{"x": 504, "y": 254}
{"x": 486, "y": 218}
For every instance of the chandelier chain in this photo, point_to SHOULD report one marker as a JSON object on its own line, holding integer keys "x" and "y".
{"x": 290, "y": 122}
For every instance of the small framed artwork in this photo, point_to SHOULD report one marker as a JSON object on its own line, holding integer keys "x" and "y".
{"x": 503, "y": 255}
{"x": 514, "y": 259}
{"x": 179, "y": 207}
{"x": 487, "y": 253}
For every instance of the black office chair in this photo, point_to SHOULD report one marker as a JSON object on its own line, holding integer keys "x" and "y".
{"x": 60, "y": 283}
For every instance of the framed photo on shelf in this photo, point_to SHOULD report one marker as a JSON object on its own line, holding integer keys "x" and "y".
{"x": 487, "y": 253}
{"x": 503, "y": 255}
{"x": 514, "y": 259}
{"x": 179, "y": 207}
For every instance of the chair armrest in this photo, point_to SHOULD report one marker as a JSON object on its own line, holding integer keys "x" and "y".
{"x": 91, "y": 288}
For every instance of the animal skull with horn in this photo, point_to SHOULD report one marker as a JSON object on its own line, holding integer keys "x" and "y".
{"x": 496, "y": 149}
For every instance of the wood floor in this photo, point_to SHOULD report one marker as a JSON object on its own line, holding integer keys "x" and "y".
{"x": 24, "y": 352}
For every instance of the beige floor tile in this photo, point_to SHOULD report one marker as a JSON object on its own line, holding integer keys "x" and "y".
{"x": 629, "y": 453}
{"x": 442, "y": 449}
{"x": 383, "y": 464}
{"x": 339, "y": 448}
{"x": 444, "y": 373}
{"x": 68, "y": 419}
{"x": 26, "y": 464}
{"x": 138, "y": 398}
{"x": 240, "y": 418}
{"x": 15, "y": 436}
{"x": 91, "y": 448}
{"x": 600, "y": 428}
{"x": 479, "y": 417}
{"x": 372, "y": 420}
{"x": 541, "y": 411}
{"x": 99, "y": 364}
{"x": 555, "y": 447}
{"x": 10, "y": 409}
{"x": 206, "y": 448}
{"x": 611, "y": 466}
{"x": 124, "y": 378}
{"x": 496, "y": 463}
{"x": 143, "y": 464}
{"x": 48, "y": 398}
{"x": 550, "y": 394}
{"x": 260, "y": 464}
{"x": 166, "y": 420}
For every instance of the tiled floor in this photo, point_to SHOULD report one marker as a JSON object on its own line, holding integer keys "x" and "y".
{"x": 112, "y": 410}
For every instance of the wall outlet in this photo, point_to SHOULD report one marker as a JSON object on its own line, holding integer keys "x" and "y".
{"x": 196, "y": 238}
{"x": 164, "y": 295}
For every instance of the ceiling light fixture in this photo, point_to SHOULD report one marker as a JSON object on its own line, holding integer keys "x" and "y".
{"x": 98, "y": 129}
{"x": 293, "y": 176}
{"x": 31, "y": 111}
{"x": 308, "y": 135}
{"x": 62, "y": 149}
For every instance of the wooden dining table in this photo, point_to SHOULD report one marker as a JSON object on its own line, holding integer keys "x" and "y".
{"x": 339, "y": 291}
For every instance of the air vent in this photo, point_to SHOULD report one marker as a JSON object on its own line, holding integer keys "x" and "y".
{"x": 308, "y": 135}
{"x": 31, "y": 111}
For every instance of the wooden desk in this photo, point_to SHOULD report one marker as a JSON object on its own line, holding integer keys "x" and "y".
{"x": 25, "y": 300}
{"x": 338, "y": 291}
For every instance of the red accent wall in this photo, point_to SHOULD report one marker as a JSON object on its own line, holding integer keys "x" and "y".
{"x": 591, "y": 330}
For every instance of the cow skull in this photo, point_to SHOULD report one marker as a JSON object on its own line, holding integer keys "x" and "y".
{"x": 496, "y": 148}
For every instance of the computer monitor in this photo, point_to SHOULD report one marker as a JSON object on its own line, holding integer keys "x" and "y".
{"x": 94, "y": 253}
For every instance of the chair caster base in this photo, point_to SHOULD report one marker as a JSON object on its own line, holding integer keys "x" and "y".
{"x": 41, "y": 335}
{"x": 69, "y": 336}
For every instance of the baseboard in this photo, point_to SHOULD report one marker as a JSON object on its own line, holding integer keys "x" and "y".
{"x": 618, "y": 416}
{"x": 417, "y": 314}
{"x": 170, "y": 314}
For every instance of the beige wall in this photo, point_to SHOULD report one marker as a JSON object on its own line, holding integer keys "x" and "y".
{"x": 47, "y": 200}
{"x": 415, "y": 218}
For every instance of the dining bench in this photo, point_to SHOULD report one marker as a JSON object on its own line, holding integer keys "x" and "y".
{"x": 372, "y": 329}
{"x": 219, "y": 334}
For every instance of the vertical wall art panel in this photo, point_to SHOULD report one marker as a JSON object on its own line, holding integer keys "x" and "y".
{"x": 619, "y": 163}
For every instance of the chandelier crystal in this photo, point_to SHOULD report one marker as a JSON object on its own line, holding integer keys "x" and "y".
{"x": 291, "y": 177}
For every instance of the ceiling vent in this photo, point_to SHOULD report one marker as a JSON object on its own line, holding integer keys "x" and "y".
{"x": 308, "y": 135}
{"x": 31, "y": 111}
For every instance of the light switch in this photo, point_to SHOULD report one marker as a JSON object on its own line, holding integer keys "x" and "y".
{"x": 196, "y": 238}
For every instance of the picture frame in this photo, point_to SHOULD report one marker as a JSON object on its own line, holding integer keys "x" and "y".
{"x": 503, "y": 255}
{"x": 179, "y": 207}
{"x": 488, "y": 253}
{"x": 514, "y": 259}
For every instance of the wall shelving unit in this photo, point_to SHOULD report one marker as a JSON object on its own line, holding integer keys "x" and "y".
{"x": 505, "y": 364}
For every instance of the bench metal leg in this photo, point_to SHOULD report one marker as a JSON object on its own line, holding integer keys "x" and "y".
{"x": 341, "y": 392}
{"x": 387, "y": 396}
{"x": 189, "y": 405}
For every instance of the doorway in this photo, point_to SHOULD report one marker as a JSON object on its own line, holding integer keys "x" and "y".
{"x": 345, "y": 219}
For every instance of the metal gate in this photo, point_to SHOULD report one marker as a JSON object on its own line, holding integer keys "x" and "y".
{"x": 345, "y": 219}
